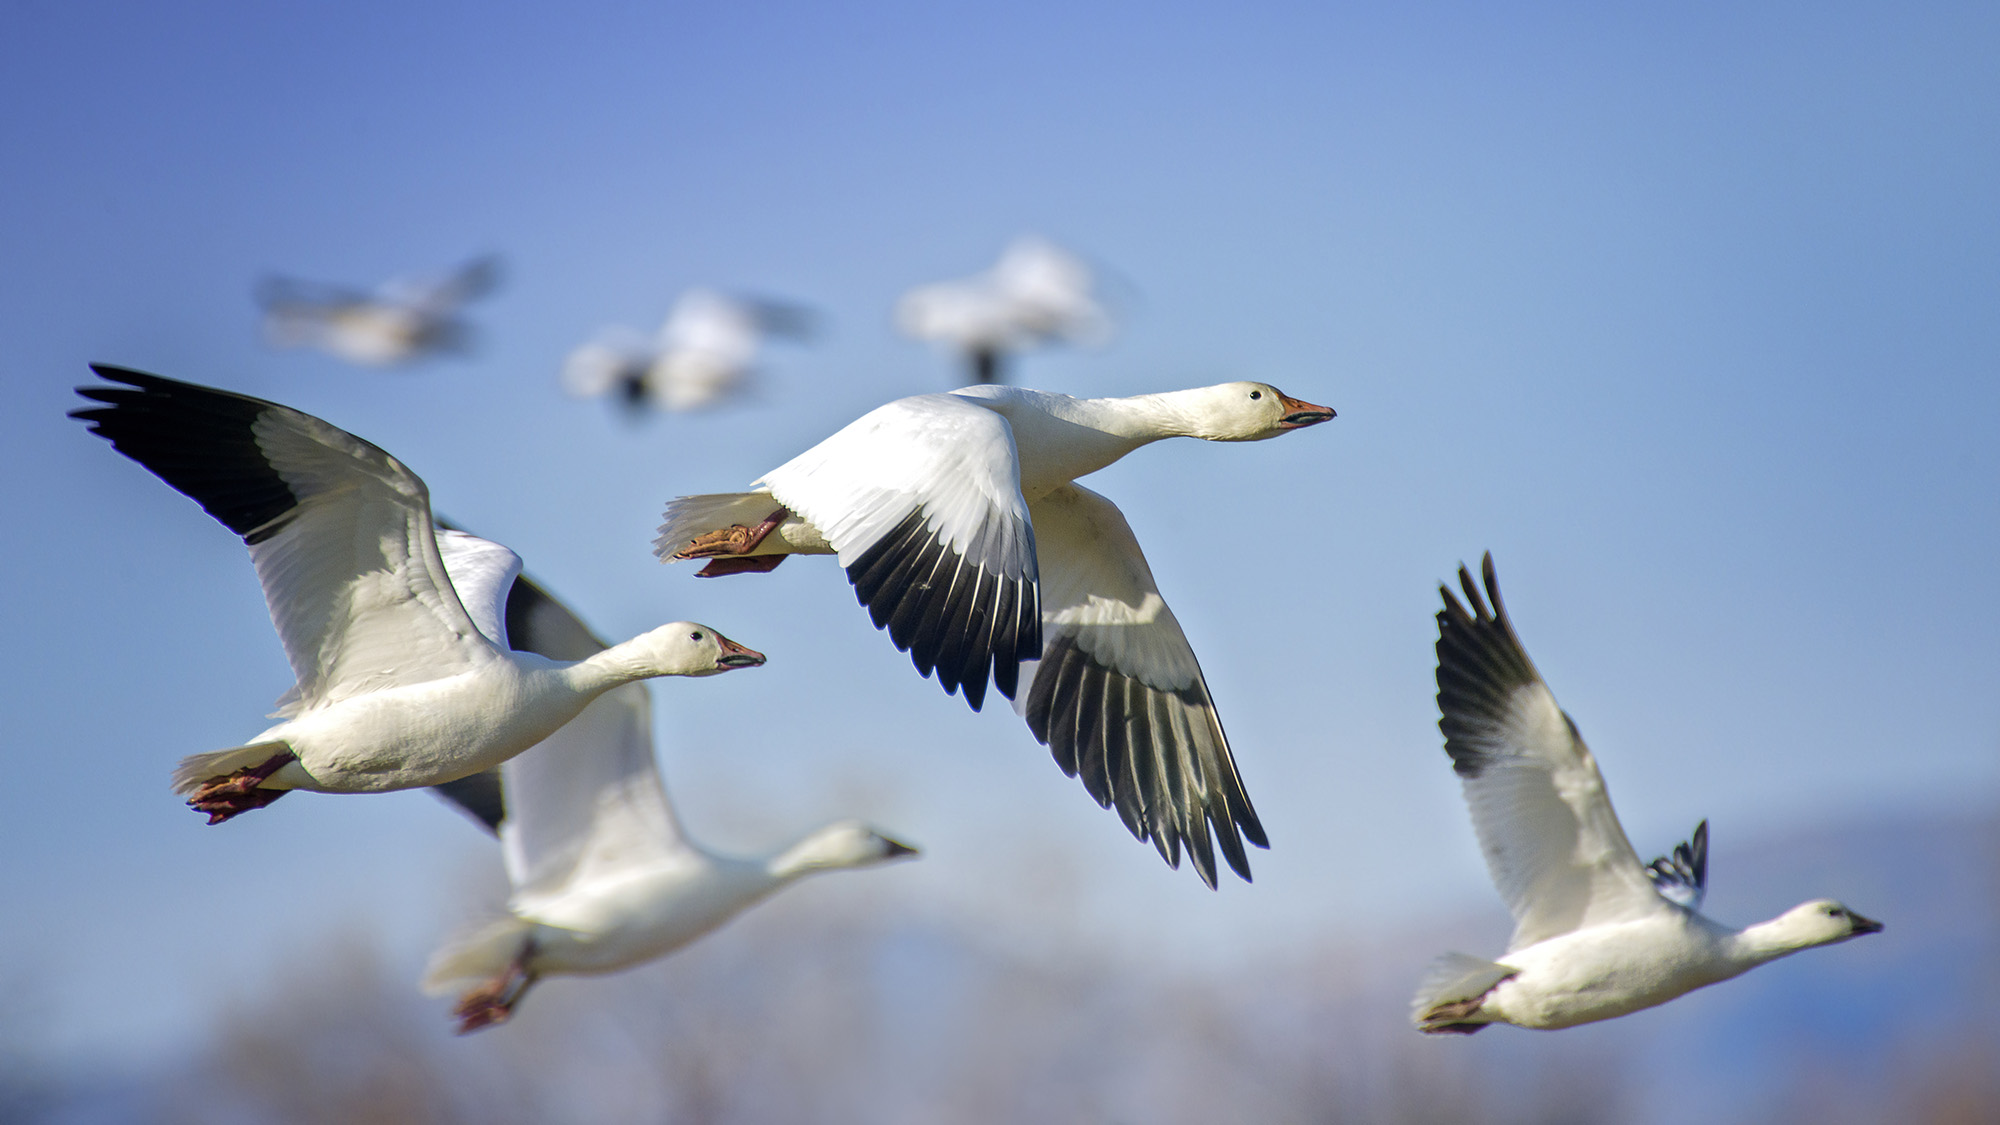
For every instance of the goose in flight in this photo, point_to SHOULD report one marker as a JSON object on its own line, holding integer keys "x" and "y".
{"x": 1038, "y": 293}
{"x": 403, "y": 320}
{"x": 1597, "y": 933}
{"x": 398, "y": 688}
{"x": 602, "y": 875}
{"x": 958, "y": 524}
{"x": 704, "y": 353}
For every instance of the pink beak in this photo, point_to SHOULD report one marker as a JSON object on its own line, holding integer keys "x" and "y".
{"x": 1300, "y": 414}
{"x": 735, "y": 655}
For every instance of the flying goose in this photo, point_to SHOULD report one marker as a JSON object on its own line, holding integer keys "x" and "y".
{"x": 1597, "y": 934}
{"x": 1037, "y": 293}
{"x": 603, "y": 876}
{"x": 957, "y": 521}
{"x": 704, "y": 353}
{"x": 405, "y": 319}
{"x": 397, "y": 686}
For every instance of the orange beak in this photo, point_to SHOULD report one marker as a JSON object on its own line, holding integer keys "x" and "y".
{"x": 1300, "y": 414}
{"x": 735, "y": 655}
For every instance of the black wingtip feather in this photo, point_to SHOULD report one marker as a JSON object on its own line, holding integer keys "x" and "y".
{"x": 1157, "y": 758}
{"x": 1480, "y": 664}
{"x": 947, "y": 612}
{"x": 199, "y": 440}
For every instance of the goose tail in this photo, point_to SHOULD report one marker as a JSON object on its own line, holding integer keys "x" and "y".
{"x": 196, "y": 770}
{"x": 1448, "y": 1000}
{"x": 690, "y": 516}
{"x": 477, "y": 956}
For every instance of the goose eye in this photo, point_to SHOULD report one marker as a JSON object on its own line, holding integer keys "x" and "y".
{"x": 1255, "y": 395}
{"x": 694, "y": 636}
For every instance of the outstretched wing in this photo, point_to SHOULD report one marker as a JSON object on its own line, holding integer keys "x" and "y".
{"x": 1117, "y": 695}
{"x": 441, "y": 296}
{"x": 483, "y": 574}
{"x": 587, "y": 801}
{"x": 922, "y": 500}
{"x": 1683, "y": 876}
{"x": 339, "y": 531}
{"x": 1545, "y": 823}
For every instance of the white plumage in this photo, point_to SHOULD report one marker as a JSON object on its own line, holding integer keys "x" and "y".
{"x": 398, "y": 686}
{"x": 957, "y": 521}
{"x": 1597, "y": 933}
{"x": 603, "y": 876}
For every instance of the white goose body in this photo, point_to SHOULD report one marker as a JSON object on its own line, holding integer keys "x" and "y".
{"x": 398, "y": 684}
{"x": 959, "y": 525}
{"x": 418, "y": 735}
{"x": 603, "y": 876}
{"x": 1598, "y": 934}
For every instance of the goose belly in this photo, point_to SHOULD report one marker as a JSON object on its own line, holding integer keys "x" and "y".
{"x": 603, "y": 928}
{"x": 422, "y": 734}
{"x": 1600, "y": 973}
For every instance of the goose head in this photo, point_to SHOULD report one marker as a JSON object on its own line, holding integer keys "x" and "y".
{"x": 844, "y": 843}
{"x": 1820, "y": 922}
{"x": 685, "y": 648}
{"x": 1249, "y": 412}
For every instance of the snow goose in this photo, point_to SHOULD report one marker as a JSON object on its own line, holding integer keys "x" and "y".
{"x": 603, "y": 877}
{"x": 959, "y": 527}
{"x": 703, "y": 353}
{"x": 397, "y": 686}
{"x": 1037, "y": 293}
{"x": 403, "y": 320}
{"x": 1597, "y": 933}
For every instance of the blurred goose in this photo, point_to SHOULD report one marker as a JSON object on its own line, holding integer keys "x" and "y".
{"x": 603, "y": 877}
{"x": 1037, "y": 293}
{"x": 403, "y": 320}
{"x": 397, "y": 686}
{"x": 959, "y": 527}
{"x": 1597, "y": 933}
{"x": 704, "y": 353}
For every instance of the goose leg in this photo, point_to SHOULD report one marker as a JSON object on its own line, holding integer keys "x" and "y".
{"x": 493, "y": 1002}
{"x": 239, "y": 792}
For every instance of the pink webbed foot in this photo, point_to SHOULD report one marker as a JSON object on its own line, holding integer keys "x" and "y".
{"x": 493, "y": 1002}
{"x": 740, "y": 564}
{"x": 239, "y": 792}
{"x": 735, "y": 539}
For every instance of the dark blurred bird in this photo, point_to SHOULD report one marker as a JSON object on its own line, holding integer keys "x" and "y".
{"x": 703, "y": 354}
{"x": 403, "y": 320}
{"x": 1038, "y": 293}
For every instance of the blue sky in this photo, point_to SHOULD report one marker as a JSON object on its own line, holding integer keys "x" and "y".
{"x": 1685, "y": 312}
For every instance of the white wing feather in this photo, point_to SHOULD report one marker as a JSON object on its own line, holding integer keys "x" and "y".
{"x": 1552, "y": 842}
{"x": 587, "y": 802}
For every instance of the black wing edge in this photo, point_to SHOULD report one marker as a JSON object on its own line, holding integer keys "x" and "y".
{"x": 952, "y": 616}
{"x": 476, "y": 278}
{"x": 1138, "y": 750}
{"x": 1480, "y": 664}
{"x": 197, "y": 439}
{"x": 480, "y": 796}
{"x": 1683, "y": 876}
